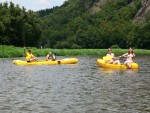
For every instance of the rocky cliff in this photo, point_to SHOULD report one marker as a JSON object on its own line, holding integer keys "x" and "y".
{"x": 139, "y": 18}
{"x": 97, "y": 6}
{"x": 143, "y": 12}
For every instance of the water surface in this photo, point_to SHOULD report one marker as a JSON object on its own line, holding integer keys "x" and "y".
{"x": 75, "y": 88}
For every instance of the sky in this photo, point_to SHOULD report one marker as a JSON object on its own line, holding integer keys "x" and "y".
{"x": 36, "y": 5}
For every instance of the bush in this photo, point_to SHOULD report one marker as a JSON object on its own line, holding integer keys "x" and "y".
{"x": 115, "y": 47}
{"x": 62, "y": 44}
{"x": 75, "y": 46}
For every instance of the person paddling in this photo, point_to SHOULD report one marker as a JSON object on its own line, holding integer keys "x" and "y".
{"x": 113, "y": 60}
{"x": 51, "y": 56}
{"x": 54, "y": 56}
{"x": 130, "y": 54}
{"x": 29, "y": 56}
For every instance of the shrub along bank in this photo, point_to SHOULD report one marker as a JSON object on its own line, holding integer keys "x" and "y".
{"x": 11, "y": 51}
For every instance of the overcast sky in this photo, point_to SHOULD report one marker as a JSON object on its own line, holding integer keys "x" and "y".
{"x": 36, "y": 5}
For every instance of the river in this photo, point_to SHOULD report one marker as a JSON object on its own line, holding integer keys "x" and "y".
{"x": 74, "y": 88}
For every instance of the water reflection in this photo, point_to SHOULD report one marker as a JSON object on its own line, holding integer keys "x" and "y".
{"x": 109, "y": 70}
{"x": 129, "y": 72}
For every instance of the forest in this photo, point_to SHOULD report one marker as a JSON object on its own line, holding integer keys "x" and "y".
{"x": 74, "y": 26}
{"x": 19, "y": 27}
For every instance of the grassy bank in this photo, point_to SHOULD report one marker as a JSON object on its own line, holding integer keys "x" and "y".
{"x": 11, "y": 51}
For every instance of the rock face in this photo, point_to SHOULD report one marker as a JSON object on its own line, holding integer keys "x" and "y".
{"x": 143, "y": 12}
{"x": 97, "y": 6}
{"x": 140, "y": 16}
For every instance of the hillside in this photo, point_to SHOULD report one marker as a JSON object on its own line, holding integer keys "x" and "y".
{"x": 18, "y": 27}
{"x": 97, "y": 24}
{"x": 78, "y": 24}
{"x": 140, "y": 17}
{"x": 143, "y": 12}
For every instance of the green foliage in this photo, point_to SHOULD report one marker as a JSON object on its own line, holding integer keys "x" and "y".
{"x": 148, "y": 18}
{"x": 142, "y": 36}
{"x": 72, "y": 25}
{"x": 75, "y": 46}
{"x": 62, "y": 44}
{"x": 18, "y": 27}
{"x": 115, "y": 47}
{"x": 11, "y": 51}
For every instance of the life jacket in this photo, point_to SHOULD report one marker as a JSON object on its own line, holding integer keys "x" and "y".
{"x": 29, "y": 56}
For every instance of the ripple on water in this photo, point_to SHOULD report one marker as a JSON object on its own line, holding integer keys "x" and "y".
{"x": 79, "y": 88}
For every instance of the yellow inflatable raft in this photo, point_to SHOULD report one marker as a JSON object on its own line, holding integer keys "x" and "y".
{"x": 63, "y": 61}
{"x": 103, "y": 63}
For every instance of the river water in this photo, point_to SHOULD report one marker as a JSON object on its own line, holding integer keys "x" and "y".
{"x": 75, "y": 88}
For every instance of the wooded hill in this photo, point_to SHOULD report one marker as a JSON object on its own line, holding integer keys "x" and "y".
{"x": 79, "y": 24}
{"x": 18, "y": 27}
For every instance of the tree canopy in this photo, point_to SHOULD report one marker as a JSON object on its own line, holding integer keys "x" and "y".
{"x": 18, "y": 27}
{"x": 73, "y": 25}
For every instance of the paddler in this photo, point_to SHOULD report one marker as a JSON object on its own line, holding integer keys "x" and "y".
{"x": 51, "y": 56}
{"x": 29, "y": 56}
{"x": 129, "y": 60}
{"x": 112, "y": 55}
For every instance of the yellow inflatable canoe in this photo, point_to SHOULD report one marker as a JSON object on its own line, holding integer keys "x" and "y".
{"x": 102, "y": 63}
{"x": 63, "y": 61}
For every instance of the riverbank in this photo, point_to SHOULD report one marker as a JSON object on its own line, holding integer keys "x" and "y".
{"x": 11, "y": 51}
